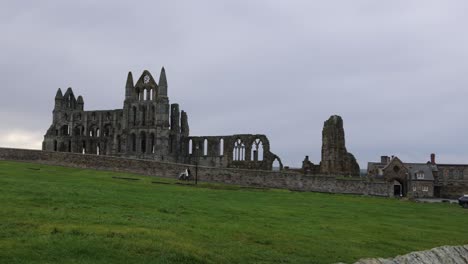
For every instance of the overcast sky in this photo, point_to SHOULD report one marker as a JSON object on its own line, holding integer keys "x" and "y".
{"x": 396, "y": 71}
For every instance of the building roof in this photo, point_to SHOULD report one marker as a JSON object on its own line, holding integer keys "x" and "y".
{"x": 425, "y": 168}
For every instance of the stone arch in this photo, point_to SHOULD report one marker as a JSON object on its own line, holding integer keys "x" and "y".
{"x": 238, "y": 152}
{"x": 257, "y": 150}
{"x": 276, "y": 164}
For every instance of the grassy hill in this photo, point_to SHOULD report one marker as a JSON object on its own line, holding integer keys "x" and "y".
{"x": 64, "y": 215}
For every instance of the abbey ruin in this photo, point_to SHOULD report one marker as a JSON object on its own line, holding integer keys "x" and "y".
{"x": 148, "y": 127}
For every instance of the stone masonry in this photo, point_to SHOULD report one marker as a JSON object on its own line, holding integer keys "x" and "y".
{"x": 336, "y": 160}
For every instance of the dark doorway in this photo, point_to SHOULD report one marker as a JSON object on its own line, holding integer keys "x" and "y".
{"x": 398, "y": 189}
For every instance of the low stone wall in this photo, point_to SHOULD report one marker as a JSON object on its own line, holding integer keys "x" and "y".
{"x": 257, "y": 178}
{"x": 439, "y": 255}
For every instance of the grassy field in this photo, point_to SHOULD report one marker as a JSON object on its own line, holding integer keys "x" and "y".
{"x": 62, "y": 215}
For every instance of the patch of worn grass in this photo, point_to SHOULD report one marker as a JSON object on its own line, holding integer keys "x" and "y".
{"x": 62, "y": 215}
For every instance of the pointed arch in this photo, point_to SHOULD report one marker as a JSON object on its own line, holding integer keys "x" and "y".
{"x": 205, "y": 147}
{"x": 190, "y": 147}
{"x": 239, "y": 150}
{"x": 221, "y": 147}
{"x": 257, "y": 150}
{"x": 143, "y": 142}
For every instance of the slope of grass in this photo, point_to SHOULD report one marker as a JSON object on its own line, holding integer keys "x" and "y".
{"x": 64, "y": 215}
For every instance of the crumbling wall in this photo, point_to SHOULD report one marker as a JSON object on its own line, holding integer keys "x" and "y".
{"x": 244, "y": 151}
{"x": 258, "y": 178}
{"x": 335, "y": 158}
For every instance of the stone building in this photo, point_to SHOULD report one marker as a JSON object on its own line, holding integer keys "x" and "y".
{"x": 336, "y": 160}
{"x": 148, "y": 127}
{"x": 421, "y": 180}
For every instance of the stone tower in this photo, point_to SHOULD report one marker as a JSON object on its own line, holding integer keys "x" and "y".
{"x": 336, "y": 159}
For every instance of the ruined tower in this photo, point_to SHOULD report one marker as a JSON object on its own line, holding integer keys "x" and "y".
{"x": 336, "y": 160}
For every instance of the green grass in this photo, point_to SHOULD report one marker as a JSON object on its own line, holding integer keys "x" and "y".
{"x": 65, "y": 215}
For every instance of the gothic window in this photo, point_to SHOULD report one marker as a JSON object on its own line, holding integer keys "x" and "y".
{"x": 55, "y": 145}
{"x": 98, "y": 132}
{"x": 153, "y": 148}
{"x": 134, "y": 110}
{"x": 145, "y": 93}
{"x": 143, "y": 115}
{"x": 133, "y": 141}
{"x": 221, "y": 147}
{"x": 83, "y": 148}
{"x": 143, "y": 142}
{"x": 108, "y": 116}
{"x": 98, "y": 149}
{"x": 151, "y": 94}
{"x": 257, "y": 150}
{"x": 205, "y": 147}
{"x": 190, "y": 147}
{"x": 69, "y": 146}
{"x": 239, "y": 150}
{"x": 119, "y": 148}
{"x": 276, "y": 165}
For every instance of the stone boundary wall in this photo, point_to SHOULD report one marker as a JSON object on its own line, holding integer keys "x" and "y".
{"x": 256, "y": 178}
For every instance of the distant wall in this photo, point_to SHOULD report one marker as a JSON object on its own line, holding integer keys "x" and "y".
{"x": 257, "y": 178}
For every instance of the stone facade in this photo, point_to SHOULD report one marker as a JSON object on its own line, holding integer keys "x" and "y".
{"x": 148, "y": 127}
{"x": 421, "y": 180}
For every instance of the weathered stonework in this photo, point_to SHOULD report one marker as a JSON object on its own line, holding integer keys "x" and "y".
{"x": 148, "y": 127}
{"x": 336, "y": 160}
{"x": 257, "y": 178}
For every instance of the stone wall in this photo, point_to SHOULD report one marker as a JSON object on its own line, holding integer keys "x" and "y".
{"x": 439, "y": 255}
{"x": 257, "y": 178}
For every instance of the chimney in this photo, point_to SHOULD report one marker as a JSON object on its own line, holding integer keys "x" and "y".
{"x": 433, "y": 159}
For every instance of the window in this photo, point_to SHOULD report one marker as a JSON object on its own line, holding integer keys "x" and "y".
{"x": 414, "y": 189}
{"x": 425, "y": 189}
{"x": 396, "y": 169}
{"x": 420, "y": 175}
{"x": 239, "y": 150}
{"x": 380, "y": 172}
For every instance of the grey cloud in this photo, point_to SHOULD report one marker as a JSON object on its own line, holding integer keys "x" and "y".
{"x": 394, "y": 70}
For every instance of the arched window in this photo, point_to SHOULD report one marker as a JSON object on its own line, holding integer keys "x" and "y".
{"x": 69, "y": 146}
{"x": 55, "y": 145}
{"x": 221, "y": 147}
{"x": 239, "y": 150}
{"x": 190, "y": 147}
{"x": 205, "y": 147}
{"x": 143, "y": 115}
{"x": 276, "y": 165}
{"x": 133, "y": 141}
{"x": 98, "y": 132}
{"x": 257, "y": 150}
{"x": 151, "y": 94}
{"x": 143, "y": 142}
{"x": 134, "y": 110}
{"x": 98, "y": 149}
{"x": 83, "y": 148}
{"x": 145, "y": 95}
{"x": 119, "y": 148}
{"x": 153, "y": 150}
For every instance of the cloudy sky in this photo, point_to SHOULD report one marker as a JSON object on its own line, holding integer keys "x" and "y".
{"x": 396, "y": 71}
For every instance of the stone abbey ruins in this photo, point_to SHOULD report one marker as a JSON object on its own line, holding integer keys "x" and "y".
{"x": 151, "y": 136}
{"x": 148, "y": 127}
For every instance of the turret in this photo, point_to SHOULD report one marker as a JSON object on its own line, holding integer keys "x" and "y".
{"x": 80, "y": 103}
{"x": 69, "y": 99}
{"x": 162, "y": 91}
{"x": 58, "y": 99}
{"x": 129, "y": 86}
